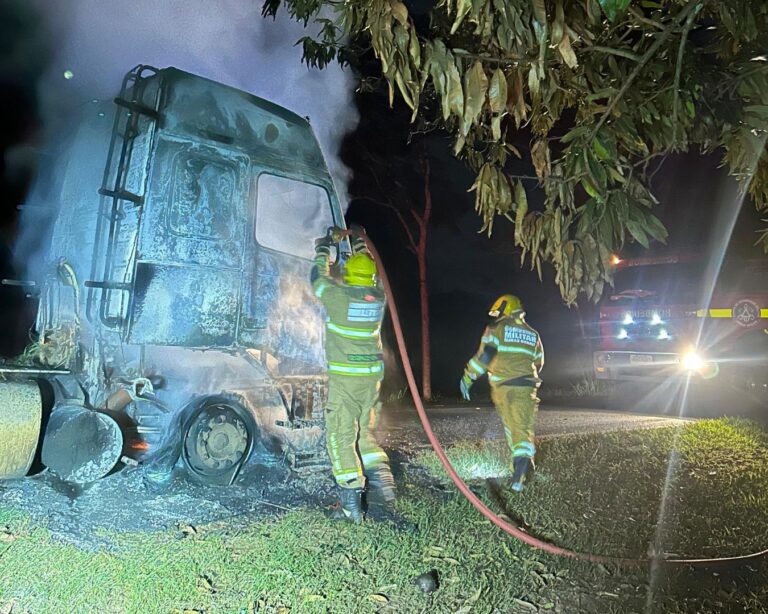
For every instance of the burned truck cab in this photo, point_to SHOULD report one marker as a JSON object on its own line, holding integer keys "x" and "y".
{"x": 176, "y": 278}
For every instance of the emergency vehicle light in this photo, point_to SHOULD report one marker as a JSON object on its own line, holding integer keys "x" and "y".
{"x": 692, "y": 362}
{"x": 623, "y": 334}
{"x": 628, "y": 319}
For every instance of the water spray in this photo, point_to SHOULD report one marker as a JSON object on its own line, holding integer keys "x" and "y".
{"x": 505, "y": 526}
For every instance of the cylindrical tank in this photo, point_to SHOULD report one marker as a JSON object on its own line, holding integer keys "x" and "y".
{"x": 81, "y": 445}
{"x": 21, "y": 409}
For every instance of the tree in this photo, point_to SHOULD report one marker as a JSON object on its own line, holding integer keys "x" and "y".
{"x": 392, "y": 193}
{"x": 605, "y": 89}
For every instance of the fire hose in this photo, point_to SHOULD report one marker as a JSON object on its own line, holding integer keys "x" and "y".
{"x": 505, "y": 526}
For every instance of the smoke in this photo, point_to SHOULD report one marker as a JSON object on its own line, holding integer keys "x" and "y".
{"x": 95, "y": 42}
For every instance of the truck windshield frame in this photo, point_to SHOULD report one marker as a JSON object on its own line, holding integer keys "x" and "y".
{"x": 291, "y": 214}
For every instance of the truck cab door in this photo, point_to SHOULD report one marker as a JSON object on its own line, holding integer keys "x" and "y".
{"x": 280, "y": 313}
{"x": 190, "y": 250}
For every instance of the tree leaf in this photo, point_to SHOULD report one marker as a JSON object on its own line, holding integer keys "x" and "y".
{"x": 399, "y": 12}
{"x": 636, "y": 230}
{"x": 540, "y": 158}
{"x": 462, "y": 8}
{"x": 558, "y": 25}
{"x": 521, "y": 199}
{"x": 475, "y": 88}
{"x": 567, "y": 53}
{"x": 497, "y": 92}
{"x": 539, "y": 11}
{"x": 614, "y": 8}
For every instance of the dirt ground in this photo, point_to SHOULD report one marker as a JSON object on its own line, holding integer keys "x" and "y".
{"x": 87, "y": 516}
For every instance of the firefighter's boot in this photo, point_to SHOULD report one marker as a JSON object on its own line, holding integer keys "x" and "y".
{"x": 350, "y": 505}
{"x": 381, "y": 484}
{"x": 521, "y": 465}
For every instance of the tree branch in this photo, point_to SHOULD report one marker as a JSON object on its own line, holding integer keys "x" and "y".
{"x": 492, "y": 60}
{"x": 678, "y": 70}
{"x": 622, "y": 53}
{"x": 643, "y": 19}
{"x": 682, "y": 15}
{"x": 400, "y": 217}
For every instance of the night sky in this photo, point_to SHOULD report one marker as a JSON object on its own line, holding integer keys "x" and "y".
{"x": 467, "y": 270}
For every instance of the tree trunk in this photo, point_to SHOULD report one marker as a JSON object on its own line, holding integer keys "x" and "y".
{"x": 421, "y": 256}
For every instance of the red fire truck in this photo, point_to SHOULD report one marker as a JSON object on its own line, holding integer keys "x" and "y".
{"x": 677, "y": 323}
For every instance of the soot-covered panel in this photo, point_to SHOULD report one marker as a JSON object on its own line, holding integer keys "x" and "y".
{"x": 184, "y": 306}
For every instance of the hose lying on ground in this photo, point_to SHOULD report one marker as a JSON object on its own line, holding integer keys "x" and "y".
{"x": 509, "y": 528}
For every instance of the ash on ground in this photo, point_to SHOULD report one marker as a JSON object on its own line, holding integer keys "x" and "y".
{"x": 88, "y": 516}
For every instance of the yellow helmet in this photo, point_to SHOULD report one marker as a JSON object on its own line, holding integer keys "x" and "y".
{"x": 360, "y": 270}
{"x": 505, "y": 305}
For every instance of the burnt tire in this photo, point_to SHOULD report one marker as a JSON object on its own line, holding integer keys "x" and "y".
{"x": 218, "y": 437}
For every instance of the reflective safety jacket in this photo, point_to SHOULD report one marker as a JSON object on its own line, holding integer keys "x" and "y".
{"x": 353, "y": 319}
{"x": 510, "y": 352}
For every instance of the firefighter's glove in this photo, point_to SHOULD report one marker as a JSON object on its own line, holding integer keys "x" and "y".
{"x": 337, "y": 234}
{"x": 324, "y": 243}
{"x": 465, "y": 384}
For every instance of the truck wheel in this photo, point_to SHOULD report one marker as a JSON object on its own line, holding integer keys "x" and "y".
{"x": 218, "y": 438}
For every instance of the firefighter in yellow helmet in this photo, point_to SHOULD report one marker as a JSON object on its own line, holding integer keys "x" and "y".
{"x": 354, "y": 311}
{"x": 512, "y": 355}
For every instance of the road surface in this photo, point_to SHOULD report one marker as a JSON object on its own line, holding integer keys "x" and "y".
{"x": 401, "y": 426}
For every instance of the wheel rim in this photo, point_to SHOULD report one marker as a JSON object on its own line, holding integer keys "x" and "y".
{"x": 218, "y": 440}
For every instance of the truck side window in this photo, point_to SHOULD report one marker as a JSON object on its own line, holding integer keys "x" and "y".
{"x": 291, "y": 214}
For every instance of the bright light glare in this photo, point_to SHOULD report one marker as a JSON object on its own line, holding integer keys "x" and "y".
{"x": 692, "y": 362}
{"x": 628, "y": 319}
{"x": 663, "y": 334}
{"x": 656, "y": 319}
{"x": 615, "y": 260}
{"x": 623, "y": 334}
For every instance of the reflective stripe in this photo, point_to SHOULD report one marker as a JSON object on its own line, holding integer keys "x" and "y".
{"x": 352, "y": 369}
{"x": 524, "y": 448}
{"x": 721, "y": 313}
{"x": 490, "y": 339}
{"x": 374, "y": 458}
{"x": 352, "y": 333}
{"x": 511, "y": 349}
{"x": 346, "y": 476}
{"x": 496, "y": 378}
{"x": 320, "y": 288}
{"x": 477, "y": 367}
{"x": 764, "y": 313}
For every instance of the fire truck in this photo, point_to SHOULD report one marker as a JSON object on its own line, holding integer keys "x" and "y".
{"x": 676, "y": 325}
{"x": 175, "y": 225}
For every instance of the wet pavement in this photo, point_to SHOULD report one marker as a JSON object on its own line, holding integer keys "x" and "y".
{"x": 89, "y": 517}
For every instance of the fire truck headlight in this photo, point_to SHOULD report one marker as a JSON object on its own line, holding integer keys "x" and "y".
{"x": 692, "y": 362}
{"x": 663, "y": 334}
{"x": 623, "y": 334}
{"x": 628, "y": 319}
{"x": 656, "y": 320}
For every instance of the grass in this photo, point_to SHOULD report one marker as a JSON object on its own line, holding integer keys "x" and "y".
{"x": 588, "y": 387}
{"x": 597, "y": 492}
{"x": 604, "y": 492}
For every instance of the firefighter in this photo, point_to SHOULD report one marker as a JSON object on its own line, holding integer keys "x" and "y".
{"x": 354, "y": 310}
{"x": 512, "y": 355}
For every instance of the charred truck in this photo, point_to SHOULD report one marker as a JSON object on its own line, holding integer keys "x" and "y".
{"x": 174, "y": 291}
{"x": 671, "y": 324}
